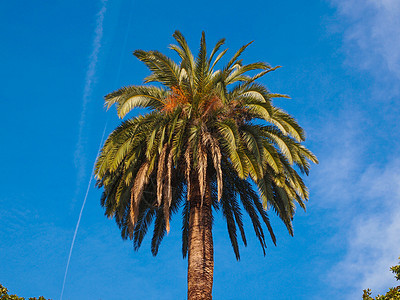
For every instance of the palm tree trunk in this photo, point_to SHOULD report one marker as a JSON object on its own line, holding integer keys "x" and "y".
{"x": 201, "y": 250}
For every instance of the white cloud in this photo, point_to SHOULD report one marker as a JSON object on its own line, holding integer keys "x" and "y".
{"x": 361, "y": 180}
{"x": 372, "y": 34}
{"x": 363, "y": 197}
{"x": 341, "y": 148}
{"x": 372, "y": 236}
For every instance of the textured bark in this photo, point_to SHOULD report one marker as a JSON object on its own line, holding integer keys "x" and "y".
{"x": 201, "y": 250}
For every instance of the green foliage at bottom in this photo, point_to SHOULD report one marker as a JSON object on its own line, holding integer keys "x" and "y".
{"x": 392, "y": 294}
{"x": 5, "y": 296}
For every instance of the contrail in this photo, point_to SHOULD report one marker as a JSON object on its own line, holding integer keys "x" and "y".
{"x": 89, "y": 82}
{"x": 90, "y": 75}
{"x": 80, "y": 214}
{"x": 79, "y": 159}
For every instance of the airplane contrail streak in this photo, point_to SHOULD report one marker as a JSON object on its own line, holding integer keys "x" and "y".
{"x": 79, "y": 159}
{"x": 89, "y": 82}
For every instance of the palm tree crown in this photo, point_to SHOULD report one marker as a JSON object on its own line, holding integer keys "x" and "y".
{"x": 211, "y": 136}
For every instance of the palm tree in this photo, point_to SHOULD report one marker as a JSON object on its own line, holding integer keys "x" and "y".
{"x": 210, "y": 140}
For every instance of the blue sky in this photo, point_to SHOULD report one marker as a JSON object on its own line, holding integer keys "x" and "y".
{"x": 341, "y": 66}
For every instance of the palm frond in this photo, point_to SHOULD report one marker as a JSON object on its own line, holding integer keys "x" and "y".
{"x": 230, "y": 222}
{"x": 218, "y": 45}
{"x": 128, "y": 98}
{"x": 229, "y": 137}
{"x": 137, "y": 191}
{"x": 164, "y": 70}
{"x": 236, "y": 56}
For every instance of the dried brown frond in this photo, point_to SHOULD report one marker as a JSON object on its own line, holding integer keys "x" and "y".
{"x": 169, "y": 167}
{"x": 202, "y": 170}
{"x": 216, "y": 156}
{"x": 168, "y": 191}
{"x": 160, "y": 173}
{"x": 166, "y": 208}
{"x": 187, "y": 171}
{"x": 137, "y": 191}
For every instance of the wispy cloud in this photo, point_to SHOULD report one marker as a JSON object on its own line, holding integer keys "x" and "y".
{"x": 372, "y": 34}
{"x": 341, "y": 148}
{"x": 372, "y": 240}
{"x": 363, "y": 200}
{"x": 90, "y": 79}
{"x": 360, "y": 178}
